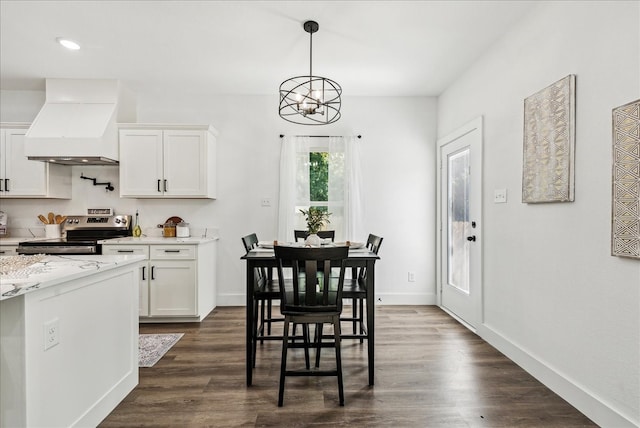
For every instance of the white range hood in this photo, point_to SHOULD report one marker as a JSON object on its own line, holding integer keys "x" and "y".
{"x": 78, "y": 124}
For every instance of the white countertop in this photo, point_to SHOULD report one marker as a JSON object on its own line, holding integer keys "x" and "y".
{"x": 129, "y": 240}
{"x": 55, "y": 269}
{"x": 15, "y": 240}
{"x": 148, "y": 240}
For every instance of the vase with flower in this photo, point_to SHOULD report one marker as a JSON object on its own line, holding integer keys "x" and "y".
{"x": 316, "y": 219}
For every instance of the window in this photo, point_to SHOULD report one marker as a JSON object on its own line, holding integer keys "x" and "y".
{"x": 322, "y": 173}
{"x": 325, "y": 182}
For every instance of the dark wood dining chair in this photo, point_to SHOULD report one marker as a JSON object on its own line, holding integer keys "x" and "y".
{"x": 265, "y": 292}
{"x": 312, "y": 297}
{"x": 323, "y": 234}
{"x": 355, "y": 289}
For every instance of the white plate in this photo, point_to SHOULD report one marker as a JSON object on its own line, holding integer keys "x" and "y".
{"x": 352, "y": 245}
{"x": 265, "y": 244}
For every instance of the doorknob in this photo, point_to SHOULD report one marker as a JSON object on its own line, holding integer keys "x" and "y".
{"x": 471, "y": 238}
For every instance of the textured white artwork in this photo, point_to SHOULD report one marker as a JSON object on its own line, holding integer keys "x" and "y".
{"x": 549, "y": 143}
{"x": 625, "y": 198}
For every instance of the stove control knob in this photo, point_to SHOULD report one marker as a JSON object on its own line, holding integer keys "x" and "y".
{"x": 76, "y": 221}
{"x": 117, "y": 221}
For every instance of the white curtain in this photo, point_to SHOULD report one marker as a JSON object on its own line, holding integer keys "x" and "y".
{"x": 294, "y": 185}
{"x": 345, "y": 195}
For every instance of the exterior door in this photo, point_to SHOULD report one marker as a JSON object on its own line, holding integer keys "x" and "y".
{"x": 460, "y": 207}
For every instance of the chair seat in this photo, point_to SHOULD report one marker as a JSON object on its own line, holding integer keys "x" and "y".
{"x": 354, "y": 287}
{"x": 268, "y": 289}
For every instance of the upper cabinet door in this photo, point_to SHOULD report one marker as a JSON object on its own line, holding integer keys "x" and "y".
{"x": 141, "y": 163}
{"x": 176, "y": 161}
{"x": 23, "y": 178}
{"x": 185, "y": 163}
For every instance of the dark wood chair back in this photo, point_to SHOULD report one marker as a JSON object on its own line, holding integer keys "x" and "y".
{"x": 374, "y": 242}
{"x": 250, "y": 242}
{"x": 323, "y": 234}
{"x": 313, "y": 290}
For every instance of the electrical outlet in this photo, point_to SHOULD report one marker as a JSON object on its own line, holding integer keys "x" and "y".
{"x": 265, "y": 202}
{"x": 411, "y": 277}
{"x": 500, "y": 196}
{"x": 51, "y": 333}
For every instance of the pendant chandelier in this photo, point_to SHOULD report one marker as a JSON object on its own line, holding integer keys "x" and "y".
{"x": 310, "y": 100}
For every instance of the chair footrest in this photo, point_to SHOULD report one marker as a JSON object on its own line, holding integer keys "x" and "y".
{"x": 311, "y": 373}
{"x": 262, "y": 337}
{"x": 353, "y": 336}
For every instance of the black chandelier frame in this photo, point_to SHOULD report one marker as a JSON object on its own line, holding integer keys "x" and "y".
{"x": 310, "y": 100}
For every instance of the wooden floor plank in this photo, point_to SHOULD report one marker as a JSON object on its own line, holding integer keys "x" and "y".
{"x": 430, "y": 372}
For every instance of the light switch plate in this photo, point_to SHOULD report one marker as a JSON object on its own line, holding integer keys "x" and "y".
{"x": 500, "y": 196}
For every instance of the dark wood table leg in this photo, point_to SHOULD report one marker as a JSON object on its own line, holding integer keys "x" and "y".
{"x": 371, "y": 307}
{"x": 250, "y": 321}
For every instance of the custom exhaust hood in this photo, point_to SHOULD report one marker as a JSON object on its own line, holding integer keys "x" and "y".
{"x": 78, "y": 124}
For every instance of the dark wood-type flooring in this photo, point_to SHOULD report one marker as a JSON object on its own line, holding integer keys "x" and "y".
{"x": 430, "y": 372}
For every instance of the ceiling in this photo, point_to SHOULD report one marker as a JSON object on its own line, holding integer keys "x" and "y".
{"x": 372, "y": 48}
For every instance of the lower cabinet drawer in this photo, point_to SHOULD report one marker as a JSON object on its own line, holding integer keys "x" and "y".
{"x": 123, "y": 250}
{"x": 173, "y": 252}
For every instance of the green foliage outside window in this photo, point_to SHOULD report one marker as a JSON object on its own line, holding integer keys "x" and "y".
{"x": 319, "y": 176}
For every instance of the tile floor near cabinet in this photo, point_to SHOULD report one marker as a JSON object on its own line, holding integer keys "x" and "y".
{"x": 430, "y": 372}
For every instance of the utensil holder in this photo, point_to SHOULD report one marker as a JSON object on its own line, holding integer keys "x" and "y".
{"x": 52, "y": 230}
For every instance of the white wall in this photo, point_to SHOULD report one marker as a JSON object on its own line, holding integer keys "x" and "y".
{"x": 398, "y": 140}
{"x": 555, "y": 300}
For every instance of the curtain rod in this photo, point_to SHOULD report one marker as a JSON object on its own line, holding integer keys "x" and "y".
{"x": 319, "y": 136}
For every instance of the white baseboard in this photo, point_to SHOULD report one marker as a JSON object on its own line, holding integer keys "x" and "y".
{"x": 406, "y": 299}
{"x": 580, "y": 398}
{"x": 381, "y": 299}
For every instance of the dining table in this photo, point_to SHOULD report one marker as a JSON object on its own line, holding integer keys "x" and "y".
{"x": 263, "y": 256}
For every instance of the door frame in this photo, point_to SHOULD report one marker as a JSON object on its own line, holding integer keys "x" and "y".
{"x": 476, "y": 263}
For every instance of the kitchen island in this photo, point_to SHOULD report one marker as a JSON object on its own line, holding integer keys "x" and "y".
{"x": 68, "y": 338}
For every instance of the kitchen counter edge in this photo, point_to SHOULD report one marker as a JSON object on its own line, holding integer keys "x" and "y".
{"x": 152, "y": 240}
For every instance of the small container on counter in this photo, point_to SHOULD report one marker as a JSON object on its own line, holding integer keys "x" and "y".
{"x": 182, "y": 230}
{"x": 169, "y": 227}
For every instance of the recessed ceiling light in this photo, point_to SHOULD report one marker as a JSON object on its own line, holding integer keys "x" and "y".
{"x": 69, "y": 44}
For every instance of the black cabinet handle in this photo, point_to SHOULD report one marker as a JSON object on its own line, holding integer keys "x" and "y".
{"x": 125, "y": 251}
{"x": 153, "y": 272}
{"x": 159, "y": 186}
{"x": 471, "y": 238}
{"x": 165, "y": 186}
{"x": 144, "y": 268}
{"x": 6, "y": 184}
{"x": 171, "y": 251}
{"x": 1, "y": 190}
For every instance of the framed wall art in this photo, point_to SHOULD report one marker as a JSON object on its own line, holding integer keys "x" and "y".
{"x": 549, "y": 143}
{"x": 625, "y": 198}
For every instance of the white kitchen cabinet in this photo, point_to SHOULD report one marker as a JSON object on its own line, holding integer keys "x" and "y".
{"x": 177, "y": 283}
{"x": 8, "y": 250}
{"x": 172, "y": 288}
{"x": 162, "y": 161}
{"x": 24, "y": 178}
